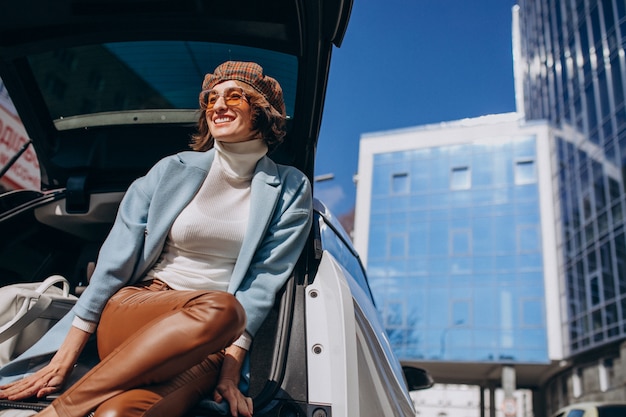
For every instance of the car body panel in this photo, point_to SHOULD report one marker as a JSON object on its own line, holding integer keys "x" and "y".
{"x": 347, "y": 352}
{"x": 331, "y": 342}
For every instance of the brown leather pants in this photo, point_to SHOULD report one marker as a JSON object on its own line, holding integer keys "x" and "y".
{"x": 160, "y": 350}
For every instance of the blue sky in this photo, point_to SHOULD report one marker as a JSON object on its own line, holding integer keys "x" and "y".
{"x": 408, "y": 63}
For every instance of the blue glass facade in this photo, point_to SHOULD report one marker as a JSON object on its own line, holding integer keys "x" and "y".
{"x": 573, "y": 72}
{"x": 594, "y": 246}
{"x": 455, "y": 251}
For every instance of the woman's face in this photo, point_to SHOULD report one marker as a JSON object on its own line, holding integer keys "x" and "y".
{"x": 229, "y": 123}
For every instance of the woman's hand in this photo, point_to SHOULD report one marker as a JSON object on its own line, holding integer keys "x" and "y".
{"x": 227, "y": 386}
{"x": 46, "y": 381}
{"x": 239, "y": 404}
{"x": 50, "y": 378}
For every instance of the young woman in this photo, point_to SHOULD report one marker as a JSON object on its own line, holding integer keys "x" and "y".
{"x": 191, "y": 267}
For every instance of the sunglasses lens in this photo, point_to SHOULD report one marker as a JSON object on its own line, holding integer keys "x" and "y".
{"x": 211, "y": 99}
{"x": 232, "y": 97}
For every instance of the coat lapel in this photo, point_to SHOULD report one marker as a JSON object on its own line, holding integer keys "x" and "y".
{"x": 264, "y": 193}
{"x": 172, "y": 197}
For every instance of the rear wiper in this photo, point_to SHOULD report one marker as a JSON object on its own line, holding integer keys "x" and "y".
{"x": 15, "y": 158}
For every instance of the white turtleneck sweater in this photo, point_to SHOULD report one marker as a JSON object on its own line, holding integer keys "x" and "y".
{"x": 204, "y": 242}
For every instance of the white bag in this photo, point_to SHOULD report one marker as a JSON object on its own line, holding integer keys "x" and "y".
{"x": 29, "y": 310}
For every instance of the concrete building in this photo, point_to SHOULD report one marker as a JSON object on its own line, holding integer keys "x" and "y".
{"x": 450, "y": 400}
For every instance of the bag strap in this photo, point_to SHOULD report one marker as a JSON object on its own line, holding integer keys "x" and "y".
{"x": 27, "y": 313}
{"x": 52, "y": 280}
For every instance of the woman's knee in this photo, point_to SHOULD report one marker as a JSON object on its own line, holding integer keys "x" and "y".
{"x": 223, "y": 309}
{"x": 107, "y": 410}
{"x": 235, "y": 310}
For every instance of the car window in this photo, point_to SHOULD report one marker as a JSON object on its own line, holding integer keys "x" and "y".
{"x": 612, "y": 411}
{"x": 575, "y": 413}
{"x": 335, "y": 241}
{"x": 136, "y": 76}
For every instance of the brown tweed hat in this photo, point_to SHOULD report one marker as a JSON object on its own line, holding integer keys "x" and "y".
{"x": 251, "y": 74}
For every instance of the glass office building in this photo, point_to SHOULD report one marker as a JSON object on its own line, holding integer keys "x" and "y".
{"x": 456, "y": 228}
{"x": 570, "y": 69}
{"x": 454, "y": 254}
{"x": 572, "y": 73}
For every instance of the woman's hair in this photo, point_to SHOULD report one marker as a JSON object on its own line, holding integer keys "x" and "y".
{"x": 269, "y": 123}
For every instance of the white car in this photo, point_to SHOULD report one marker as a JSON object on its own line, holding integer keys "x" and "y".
{"x": 593, "y": 409}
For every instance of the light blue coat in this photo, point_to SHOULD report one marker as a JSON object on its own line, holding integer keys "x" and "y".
{"x": 279, "y": 223}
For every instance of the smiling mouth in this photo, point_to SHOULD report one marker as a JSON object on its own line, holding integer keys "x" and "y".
{"x": 222, "y": 120}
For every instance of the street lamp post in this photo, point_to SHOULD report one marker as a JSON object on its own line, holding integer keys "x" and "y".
{"x": 444, "y": 332}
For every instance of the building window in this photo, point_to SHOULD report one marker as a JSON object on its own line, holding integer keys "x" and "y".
{"x": 594, "y": 287}
{"x": 525, "y": 172}
{"x": 397, "y": 246}
{"x": 460, "y": 312}
{"x": 532, "y": 312}
{"x": 460, "y": 243}
{"x": 400, "y": 183}
{"x": 528, "y": 238}
{"x": 460, "y": 178}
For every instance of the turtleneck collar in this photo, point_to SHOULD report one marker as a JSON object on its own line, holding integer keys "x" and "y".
{"x": 240, "y": 158}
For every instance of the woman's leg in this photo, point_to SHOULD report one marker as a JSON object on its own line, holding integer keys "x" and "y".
{"x": 172, "y": 398}
{"x": 183, "y": 328}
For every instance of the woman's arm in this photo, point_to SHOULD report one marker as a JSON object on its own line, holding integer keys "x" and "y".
{"x": 275, "y": 258}
{"x": 50, "y": 378}
{"x": 112, "y": 272}
{"x": 227, "y": 385}
{"x": 271, "y": 266}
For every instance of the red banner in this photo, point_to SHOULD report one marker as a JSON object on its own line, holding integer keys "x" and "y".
{"x": 24, "y": 174}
